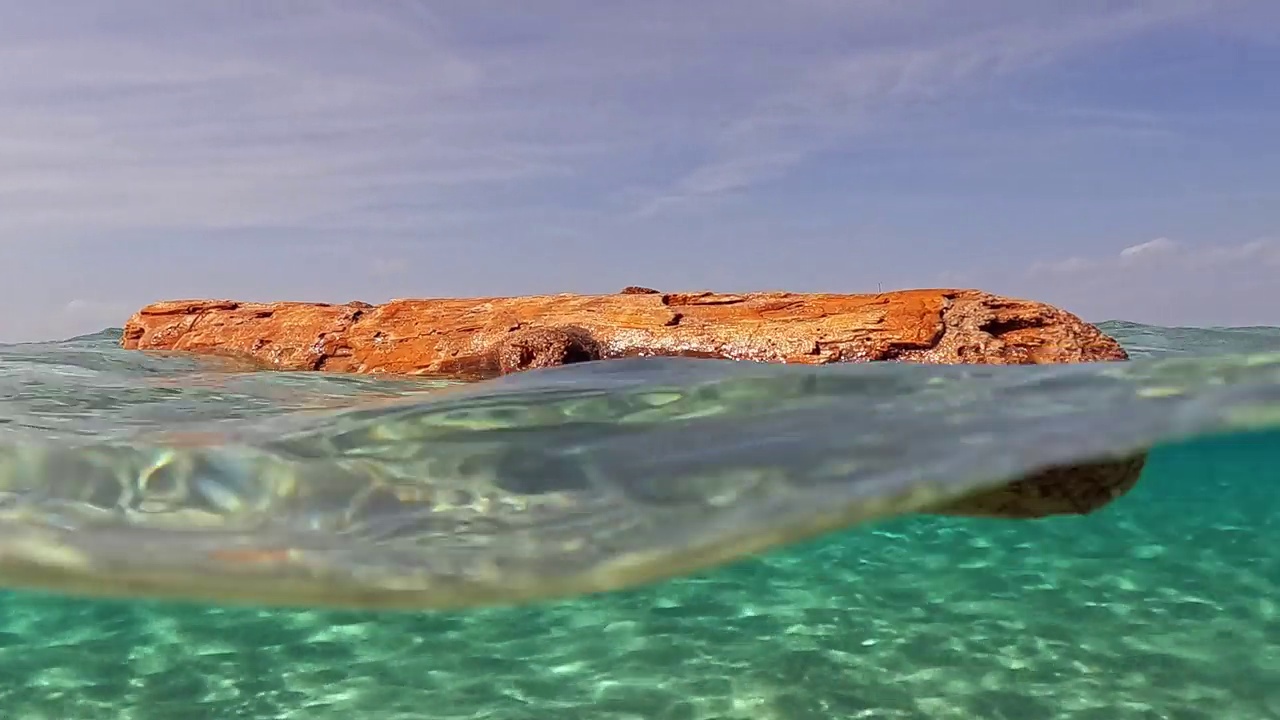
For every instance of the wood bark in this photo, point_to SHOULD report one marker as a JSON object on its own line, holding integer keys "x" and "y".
{"x": 476, "y": 338}
{"x": 483, "y": 337}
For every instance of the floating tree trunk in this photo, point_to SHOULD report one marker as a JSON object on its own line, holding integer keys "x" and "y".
{"x": 475, "y": 338}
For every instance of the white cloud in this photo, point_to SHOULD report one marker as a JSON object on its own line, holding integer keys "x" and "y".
{"x": 161, "y": 115}
{"x": 83, "y": 315}
{"x": 1065, "y": 266}
{"x": 859, "y": 89}
{"x": 216, "y": 119}
{"x": 336, "y": 149}
{"x": 1261, "y": 251}
{"x": 1158, "y": 247}
{"x": 1160, "y": 281}
{"x": 1265, "y": 253}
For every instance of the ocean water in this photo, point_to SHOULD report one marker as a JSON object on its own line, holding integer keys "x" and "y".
{"x": 1163, "y": 605}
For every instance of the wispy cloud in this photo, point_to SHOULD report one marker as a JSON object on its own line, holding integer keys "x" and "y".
{"x": 1161, "y": 281}
{"x": 211, "y": 116}
{"x": 341, "y": 112}
{"x": 336, "y": 149}
{"x": 858, "y": 88}
{"x": 1163, "y": 253}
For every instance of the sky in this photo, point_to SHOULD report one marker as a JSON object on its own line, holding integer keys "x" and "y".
{"x": 1117, "y": 158}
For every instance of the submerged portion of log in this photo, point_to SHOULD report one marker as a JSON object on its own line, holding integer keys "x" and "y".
{"x": 484, "y": 337}
{"x": 475, "y": 338}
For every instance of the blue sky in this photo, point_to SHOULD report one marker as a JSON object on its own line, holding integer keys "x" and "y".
{"x": 1118, "y": 158}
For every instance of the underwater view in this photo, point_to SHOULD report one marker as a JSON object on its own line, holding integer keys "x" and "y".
{"x": 660, "y": 539}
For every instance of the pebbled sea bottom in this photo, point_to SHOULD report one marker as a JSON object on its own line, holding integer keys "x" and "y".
{"x": 1165, "y": 605}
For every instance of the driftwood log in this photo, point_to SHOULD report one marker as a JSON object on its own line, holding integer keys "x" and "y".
{"x": 483, "y": 337}
{"x": 476, "y": 338}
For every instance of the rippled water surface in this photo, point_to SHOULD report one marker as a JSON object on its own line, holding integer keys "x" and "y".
{"x": 1166, "y": 604}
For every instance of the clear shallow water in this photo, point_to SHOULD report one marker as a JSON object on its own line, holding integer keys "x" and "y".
{"x": 1163, "y": 605}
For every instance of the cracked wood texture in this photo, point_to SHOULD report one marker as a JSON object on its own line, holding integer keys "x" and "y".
{"x": 476, "y": 338}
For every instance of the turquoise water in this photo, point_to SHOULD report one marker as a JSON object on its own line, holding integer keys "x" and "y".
{"x": 1166, "y": 604}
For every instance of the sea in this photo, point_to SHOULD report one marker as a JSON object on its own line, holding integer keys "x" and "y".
{"x": 1163, "y": 605}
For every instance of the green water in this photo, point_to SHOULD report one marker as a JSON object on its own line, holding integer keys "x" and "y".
{"x": 1166, "y": 605}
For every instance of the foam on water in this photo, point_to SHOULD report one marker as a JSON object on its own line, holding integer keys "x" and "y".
{"x": 1163, "y": 605}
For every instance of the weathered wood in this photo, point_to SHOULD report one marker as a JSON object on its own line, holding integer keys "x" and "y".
{"x": 474, "y": 338}
{"x": 483, "y": 337}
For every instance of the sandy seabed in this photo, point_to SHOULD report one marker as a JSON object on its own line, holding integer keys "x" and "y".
{"x": 1164, "y": 606}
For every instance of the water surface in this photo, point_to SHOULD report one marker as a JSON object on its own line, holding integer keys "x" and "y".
{"x": 1164, "y": 605}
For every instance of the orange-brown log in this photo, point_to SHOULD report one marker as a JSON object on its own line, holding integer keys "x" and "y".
{"x": 473, "y": 338}
{"x": 476, "y": 338}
